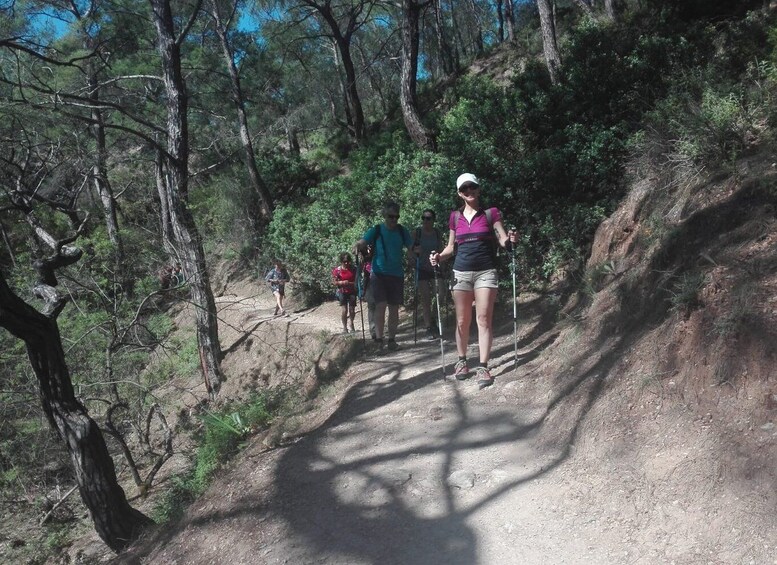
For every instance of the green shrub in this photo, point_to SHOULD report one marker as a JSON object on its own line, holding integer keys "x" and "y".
{"x": 180, "y": 357}
{"x": 684, "y": 294}
{"x": 307, "y": 238}
{"x": 223, "y": 433}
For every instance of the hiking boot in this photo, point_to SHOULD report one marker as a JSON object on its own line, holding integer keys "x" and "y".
{"x": 460, "y": 370}
{"x": 431, "y": 335}
{"x": 484, "y": 377}
{"x": 392, "y": 345}
{"x": 277, "y": 309}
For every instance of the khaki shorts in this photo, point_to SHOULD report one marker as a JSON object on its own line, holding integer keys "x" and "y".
{"x": 471, "y": 280}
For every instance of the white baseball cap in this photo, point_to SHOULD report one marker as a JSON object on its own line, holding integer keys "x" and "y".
{"x": 466, "y": 178}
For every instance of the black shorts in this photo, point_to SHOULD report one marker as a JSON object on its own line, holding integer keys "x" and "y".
{"x": 388, "y": 288}
{"x": 344, "y": 299}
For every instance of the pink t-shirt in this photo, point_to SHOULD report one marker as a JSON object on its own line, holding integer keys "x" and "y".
{"x": 475, "y": 240}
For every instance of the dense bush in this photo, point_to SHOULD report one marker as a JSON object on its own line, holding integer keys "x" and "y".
{"x": 309, "y": 235}
{"x": 551, "y": 157}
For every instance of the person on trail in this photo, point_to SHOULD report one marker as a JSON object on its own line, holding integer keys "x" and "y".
{"x": 427, "y": 240}
{"x": 367, "y": 291}
{"x": 344, "y": 279}
{"x": 387, "y": 278}
{"x": 474, "y": 270}
{"x": 177, "y": 277}
{"x": 166, "y": 277}
{"x": 277, "y": 277}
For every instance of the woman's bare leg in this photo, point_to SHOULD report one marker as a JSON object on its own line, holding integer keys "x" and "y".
{"x": 462, "y": 299}
{"x": 352, "y": 311}
{"x": 484, "y": 313}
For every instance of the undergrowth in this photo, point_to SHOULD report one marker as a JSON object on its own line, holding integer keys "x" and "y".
{"x": 223, "y": 434}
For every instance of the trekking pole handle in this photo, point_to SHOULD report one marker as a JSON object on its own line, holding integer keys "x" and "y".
{"x": 510, "y": 231}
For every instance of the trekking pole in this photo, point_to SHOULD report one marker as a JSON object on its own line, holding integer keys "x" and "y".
{"x": 439, "y": 319}
{"x": 359, "y": 287}
{"x": 515, "y": 306}
{"x": 415, "y": 299}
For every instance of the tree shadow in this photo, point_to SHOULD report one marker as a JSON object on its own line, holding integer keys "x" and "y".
{"x": 393, "y": 529}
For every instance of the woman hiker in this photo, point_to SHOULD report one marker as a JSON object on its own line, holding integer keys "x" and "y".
{"x": 344, "y": 279}
{"x": 277, "y": 277}
{"x": 474, "y": 270}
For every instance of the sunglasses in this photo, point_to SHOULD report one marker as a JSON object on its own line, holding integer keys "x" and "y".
{"x": 468, "y": 187}
{"x": 430, "y": 218}
{"x": 392, "y": 216}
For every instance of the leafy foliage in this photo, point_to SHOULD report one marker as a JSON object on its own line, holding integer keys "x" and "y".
{"x": 222, "y": 435}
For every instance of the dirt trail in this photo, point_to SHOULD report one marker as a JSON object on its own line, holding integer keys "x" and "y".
{"x": 409, "y": 468}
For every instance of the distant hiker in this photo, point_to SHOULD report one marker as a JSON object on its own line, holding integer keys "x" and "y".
{"x": 344, "y": 279}
{"x": 277, "y": 277}
{"x": 177, "y": 277}
{"x": 474, "y": 269}
{"x": 388, "y": 274}
{"x": 427, "y": 239}
{"x": 171, "y": 276}
{"x": 165, "y": 276}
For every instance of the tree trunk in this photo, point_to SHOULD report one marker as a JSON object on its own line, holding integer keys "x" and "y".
{"x": 164, "y": 216}
{"x": 374, "y": 83}
{"x": 510, "y": 19}
{"x": 586, "y": 5}
{"x": 7, "y": 242}
{"x": 176, "y": 182}
{"x": 258, "y": 184}
{"x": 549, "y": 44}
{"x": 478, "y": 39}
{"x": 459, "y": 45}
{"x": 444, "y": 48}
{"x": 291, "y": 137}
{"x": 420, "y": 135}
{"x": 343, "y": 43}
{"x": 116, "y": 522}
{"x": 343, "y": 92}
{"x": 501, "y": 21}
{"x": 610, "y": 9}
{"x": 103, "y": 186}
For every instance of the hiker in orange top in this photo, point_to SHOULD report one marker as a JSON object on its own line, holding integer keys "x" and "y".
{"x": 472, "y": 230}
{"x": 344, "y": 279}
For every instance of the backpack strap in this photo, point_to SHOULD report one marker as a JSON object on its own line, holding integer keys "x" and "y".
{"x": 379, "y": 236}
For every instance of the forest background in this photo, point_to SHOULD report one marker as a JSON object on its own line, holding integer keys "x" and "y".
{"x": 137, "y": 135}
